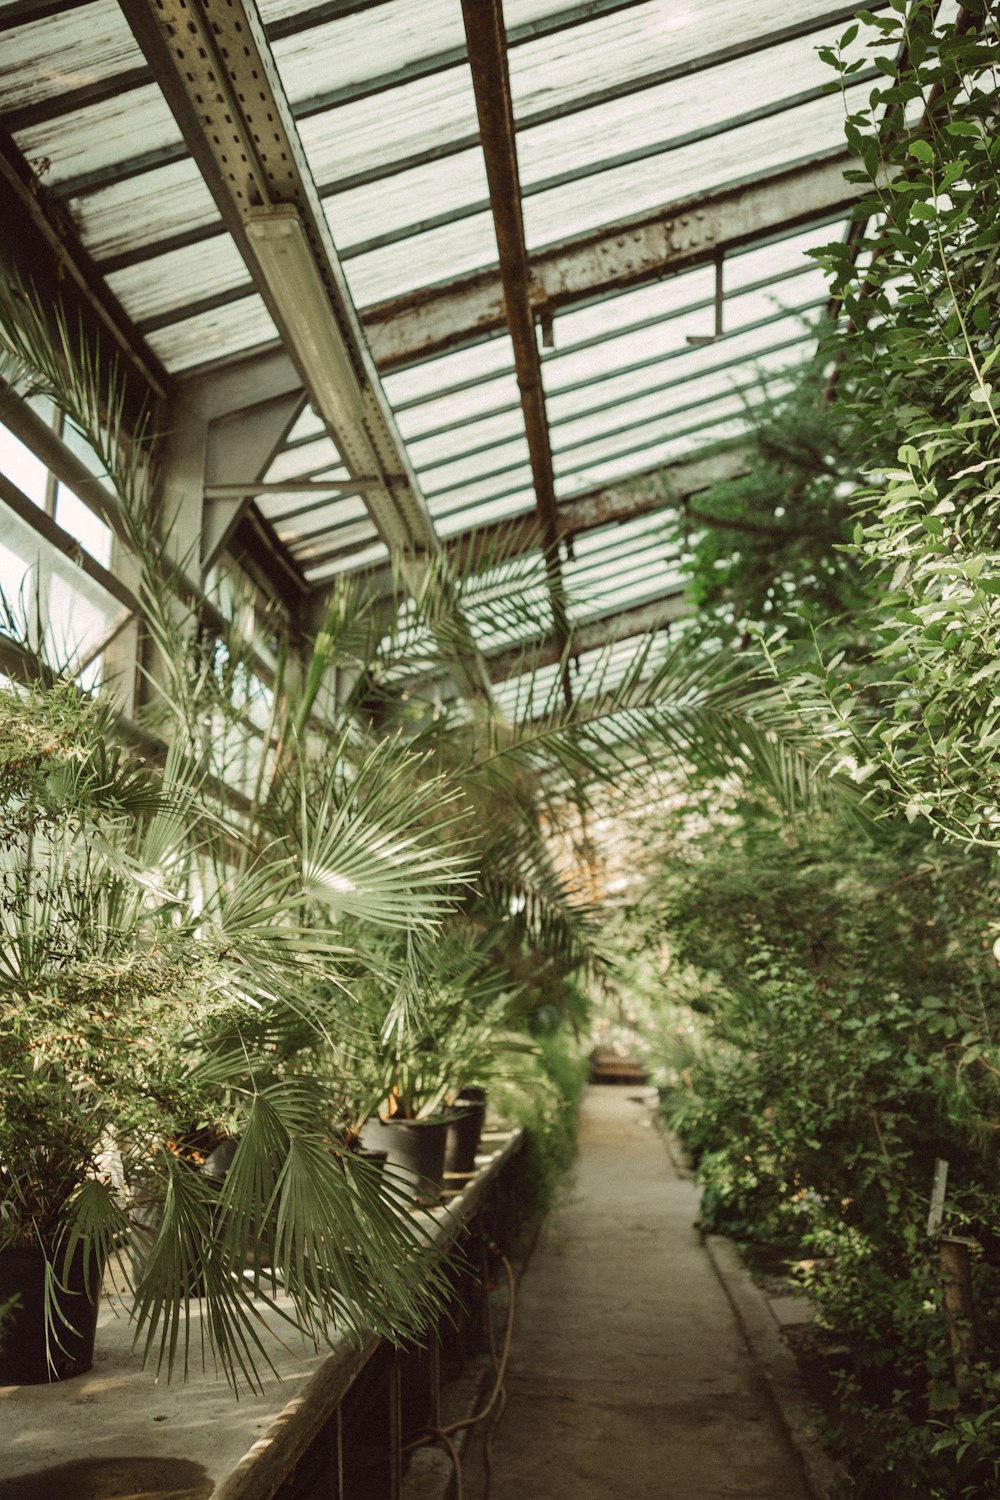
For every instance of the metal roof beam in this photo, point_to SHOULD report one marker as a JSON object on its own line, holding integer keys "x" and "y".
{"x": 220, "y": 79}
{"x": 484, "y": 30}
{"x": 640, "y": 495}
{"x": 676, "y": 237}
{"x": 590, "y": 635}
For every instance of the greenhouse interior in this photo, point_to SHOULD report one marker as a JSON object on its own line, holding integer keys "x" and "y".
{"x": 499, "y": 750}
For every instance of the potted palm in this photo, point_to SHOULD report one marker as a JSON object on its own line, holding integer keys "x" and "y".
{"x": 152, "y": 977}
{"x": 428, "y": 1049}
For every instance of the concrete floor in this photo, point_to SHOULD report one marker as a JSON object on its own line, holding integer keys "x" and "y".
{"x": 629, "y": 1376}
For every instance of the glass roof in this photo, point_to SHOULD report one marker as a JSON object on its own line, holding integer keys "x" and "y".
{"x": 621, "y": 109}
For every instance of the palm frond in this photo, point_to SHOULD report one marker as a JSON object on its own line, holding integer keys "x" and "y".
{"x": 376, "y": 846}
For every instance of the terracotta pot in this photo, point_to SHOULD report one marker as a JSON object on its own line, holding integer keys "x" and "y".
{"x": 23, "y": 1359}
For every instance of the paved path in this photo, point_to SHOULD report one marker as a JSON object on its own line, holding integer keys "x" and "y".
{"x": 629, "y": 1378}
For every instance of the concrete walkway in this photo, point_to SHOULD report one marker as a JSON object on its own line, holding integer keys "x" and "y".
{"x": 629, "y": 1378}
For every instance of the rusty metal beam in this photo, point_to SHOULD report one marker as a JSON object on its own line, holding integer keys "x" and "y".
{"x": 676, "y": 237}
{"x": 639, "y": 495}
{"x": 590, "y": 635}
{"x": 486, "y": 40}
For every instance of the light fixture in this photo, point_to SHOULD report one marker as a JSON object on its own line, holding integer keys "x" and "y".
{"x": 316, "y": 340}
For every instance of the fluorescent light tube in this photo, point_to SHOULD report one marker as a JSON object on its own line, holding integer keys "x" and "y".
{"x": 286, "y": 259}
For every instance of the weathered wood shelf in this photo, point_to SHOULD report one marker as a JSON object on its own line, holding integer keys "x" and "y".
{"x": 119, "y": 1431}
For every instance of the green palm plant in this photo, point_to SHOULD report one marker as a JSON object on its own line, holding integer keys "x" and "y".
{"x": 446, "y": 1023}
{"x": 138, "y": 981}
{"x": 309, "y": 889}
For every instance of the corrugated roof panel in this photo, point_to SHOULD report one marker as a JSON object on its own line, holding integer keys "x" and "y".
{"x": 385, "y": 130}
{"x": 449, "y": 475}
{"x": 796, "y": 135}
{"x": 80, "y": 47}
{"x": 304, "y": 460}
{"x": 219, "y": 334}
{"x": 101, "y": 135}
{"x": 471, "y": 437}
{"x": 432, "y": 415}
{"x": 165, "y": 283}
{"x": 478, "y": 361}
{"x": 424, "y": 193}
{"x": 123, "y": 217}
{"x": 437, "y": 255}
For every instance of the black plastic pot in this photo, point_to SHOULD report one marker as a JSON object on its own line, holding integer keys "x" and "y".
{"x": 464, "y": 1131}
{"x": 414, "y": 1152}
{"x": 23, "y": 1359}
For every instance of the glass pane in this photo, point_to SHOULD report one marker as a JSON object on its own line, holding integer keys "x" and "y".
{"x": 310, "y": 547}
{"x": 430, "y": 190}
{"x": 81, "y": 523}
{"x": 304, "y": 460}
{"x": 500, "y": 456}
{"x": 219, "y": 334}
{"x": 634, "y": 462}
{"x": 780, "y": 255}
{"x": 466, "y": 405}
{"x": 127, "y": 216}
{"x": 102, "y": 135}
{"x": 435, "y": 256}
{"x": 667, "y": 115}
{"x": 165, "y": 283}
{"x": 81, "y": 46}
{"x": 308, "y": 424}
{"x": 389, "y": 127}
{"x": 469, "y": 518}
{"x": 477, "y": 362}
{"x": 292, "y": 510}
{"x": 22, "y": 467}
{"x": 368, "y": 558}
{"x": 43, "y": 585}
{"x": 658, "y": 300}
{"x": 370, "y": 44}
{"x": 484, "y": 489}
{"x": 636, "y": 41}
{"x": 472, "y": 436}
{"x": 611, "y": 385}
{"x": 800, "y": 133}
